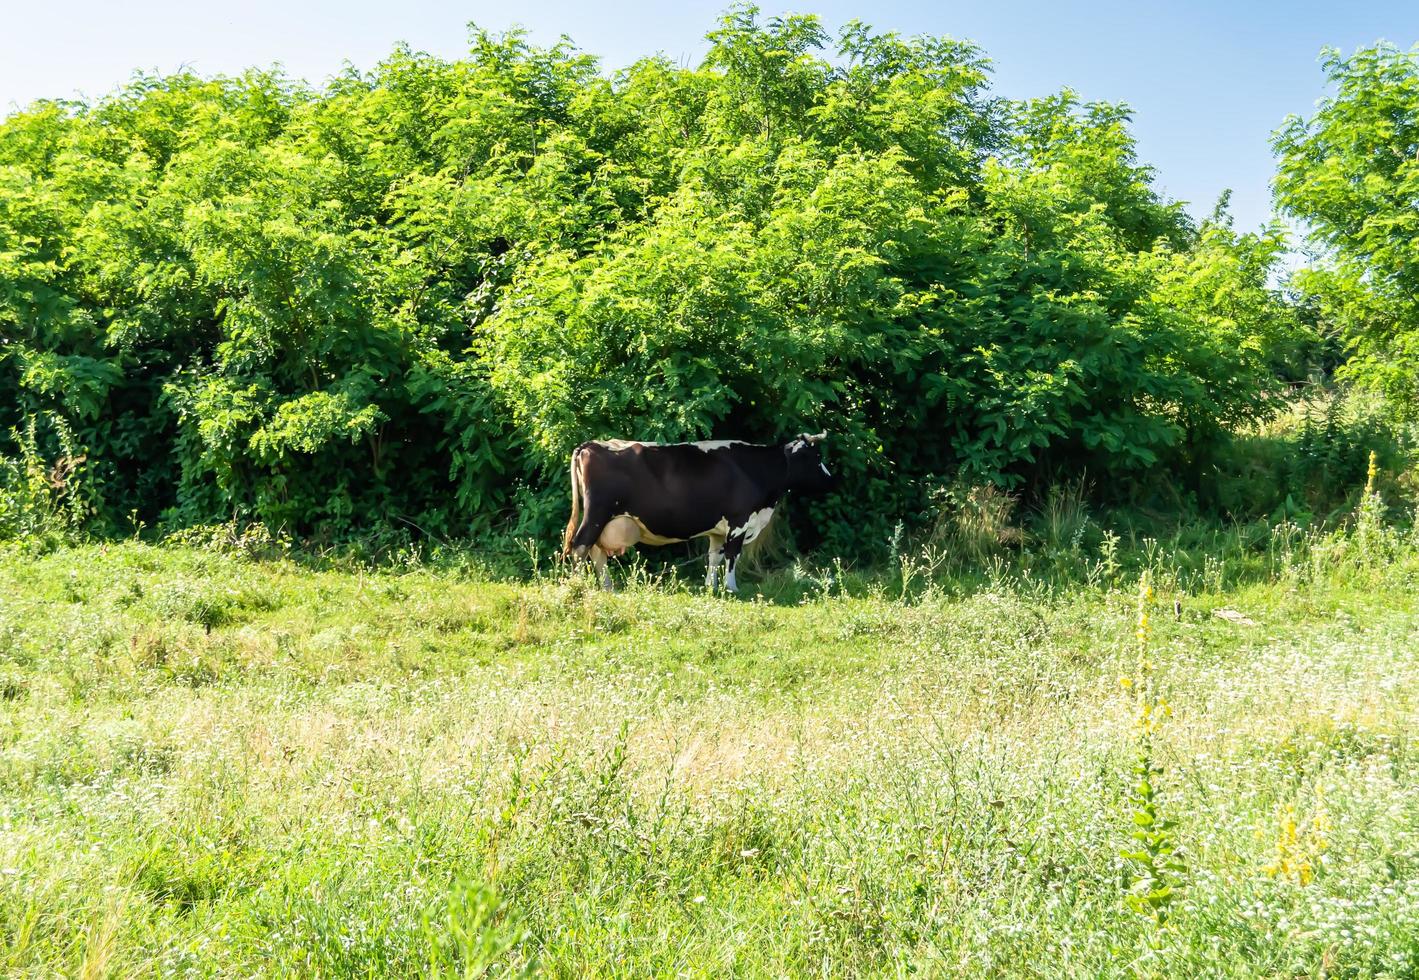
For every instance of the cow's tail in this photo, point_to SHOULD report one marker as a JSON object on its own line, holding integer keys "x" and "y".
{"x": 576, "y": 507}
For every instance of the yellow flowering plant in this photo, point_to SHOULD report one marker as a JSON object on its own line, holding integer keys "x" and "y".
{"x": 1300, "y": 844}
{"x": 1153, "y": 858}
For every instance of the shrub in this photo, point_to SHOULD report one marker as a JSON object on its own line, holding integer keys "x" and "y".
{"x": 406, "y": 296}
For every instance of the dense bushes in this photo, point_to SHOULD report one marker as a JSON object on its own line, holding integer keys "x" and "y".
{"x": 410, "y": 294}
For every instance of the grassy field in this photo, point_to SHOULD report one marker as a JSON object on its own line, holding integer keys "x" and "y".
{"x": 214, "y": 765}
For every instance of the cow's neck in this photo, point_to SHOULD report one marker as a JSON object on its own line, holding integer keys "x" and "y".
{"x": 775, "y": 476}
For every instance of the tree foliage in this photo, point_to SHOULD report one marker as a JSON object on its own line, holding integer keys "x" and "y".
{"x": 411, "y": 293}
{"x": 1351, "y": 173}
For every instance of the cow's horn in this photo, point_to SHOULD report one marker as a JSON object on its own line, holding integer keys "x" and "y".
{"x": 819, "y": 437}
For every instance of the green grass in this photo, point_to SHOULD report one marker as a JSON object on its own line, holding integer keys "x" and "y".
{"x": 217, "y": 766}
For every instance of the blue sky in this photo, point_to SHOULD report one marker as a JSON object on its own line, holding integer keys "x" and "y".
{"x": 1208, "y": 80}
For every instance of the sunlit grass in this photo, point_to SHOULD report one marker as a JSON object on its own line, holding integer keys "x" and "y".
{"x": 219, "y": 766}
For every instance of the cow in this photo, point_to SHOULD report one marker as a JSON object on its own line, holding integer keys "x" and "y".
{"x": 626, "y": 493}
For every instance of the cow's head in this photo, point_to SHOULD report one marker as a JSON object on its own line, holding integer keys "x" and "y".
{"x": 807, "y": 473}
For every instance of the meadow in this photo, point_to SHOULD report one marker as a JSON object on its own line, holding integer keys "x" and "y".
{"x": 217, "y": 759}
{"x": 1157, "y": 724}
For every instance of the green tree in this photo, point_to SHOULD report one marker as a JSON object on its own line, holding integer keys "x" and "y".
{"x": 1350, "y": 172}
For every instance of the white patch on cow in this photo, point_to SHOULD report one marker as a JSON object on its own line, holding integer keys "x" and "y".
{"x": 647, "y": 535}
{"x": 824, "y": 468}
{"x": 721, "y": 530}
{"x": 709, "y": 445}
{"x": 797, "y": 445}
{"x": 729, "y": 582}
{"x": 755, "y": 524}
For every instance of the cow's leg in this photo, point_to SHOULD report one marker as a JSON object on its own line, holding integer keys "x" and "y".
{"x": 619, "y": 534}
{"x": 598, "y": 558}
{"x": 598, "y": 515}
{"x": 716, "y": 555}
{"x": 733, "y": 547}
{"x": 742, "y": 532}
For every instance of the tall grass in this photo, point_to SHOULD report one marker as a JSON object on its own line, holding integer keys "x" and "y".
{"x": 41, "y": 498}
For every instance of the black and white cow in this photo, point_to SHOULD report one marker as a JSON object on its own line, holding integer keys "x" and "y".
{"x": 626, "y": 493}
